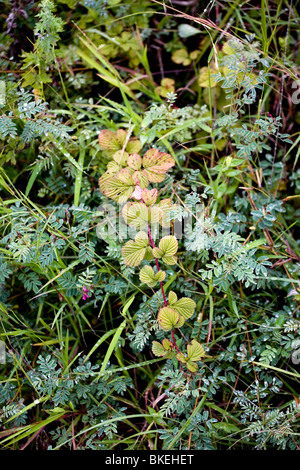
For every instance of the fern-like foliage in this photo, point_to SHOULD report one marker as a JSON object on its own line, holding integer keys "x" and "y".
{"x": 236, "y": 259}
{"x": 46, "y": 127}
{"x": 46, "y": 30}
{"x": 29, "y": 119}
{"x": 7, "y": 127}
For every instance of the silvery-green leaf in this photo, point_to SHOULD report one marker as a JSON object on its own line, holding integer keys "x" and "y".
{"x": 186, "y": 30}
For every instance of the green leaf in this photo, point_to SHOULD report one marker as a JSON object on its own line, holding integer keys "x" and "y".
{"x": 165, "y": 207}
{"x": 157, "y": 252}
{"x": 149, "y": 196}
{"x": 195, "y": 351}
{"x": 136, "y": 214}
{"x": 119, "y": 187}
{"x": 227, "y": 427}
{"x": 133, "y": 146}
{"x": 140, "y": 179}
{"x": 192, "y": 366}
{"x": 134, "y": 161}
{"x": 167, "y": 318}
{"x": 111, "y": 141}
{"x": 112, "y": 345}
{"x": 147, "y": 276}
{"x": 186, "y": 30}
{"x": 180, "y": 322}
{"x": 160, "y": 276}
{"x": 32, "y": 179}
{"x": 156, "y": 164}
{"x": 108, "y": 140}
{"x": 120, "y": 157}
{"x": 169, "y": 260}
{"x": 163, "y": 350}
{"x": 154, "y": 215}
{"x": 149, "y": 254}
{"x": 181, "y": 358}
{"x": 255, "y": 243}
{"x": 167, "y": 344}
{"x": 168, "y": 247}
{"x": 172, "y": 298}
{"x": 133, "y": 252}
{"x": 158, "y": 349}
{"x": 181, "y": 56}
{"x": 205, "y": 79}
{"x": 185, "y": 307}
{"x": 112, "y": 167}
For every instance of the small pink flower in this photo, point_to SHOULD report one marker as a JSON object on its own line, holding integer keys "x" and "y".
{"x": 85, "y": 293}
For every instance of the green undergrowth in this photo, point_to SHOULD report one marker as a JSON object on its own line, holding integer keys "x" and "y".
{"x": 149, "y": 207}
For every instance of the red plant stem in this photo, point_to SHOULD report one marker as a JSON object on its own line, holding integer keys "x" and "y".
{"x": 161, "y": 285}
{"x": 157, "y": 265}
{"x": 174, "y": 341}
{"x": 163, "y": 293}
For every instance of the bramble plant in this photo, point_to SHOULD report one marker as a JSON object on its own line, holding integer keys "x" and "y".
{"x": 128, "y": 176}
